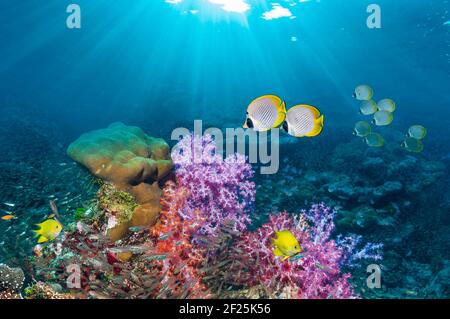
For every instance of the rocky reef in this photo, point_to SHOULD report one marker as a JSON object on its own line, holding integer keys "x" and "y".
{"x": 130, "y": 161}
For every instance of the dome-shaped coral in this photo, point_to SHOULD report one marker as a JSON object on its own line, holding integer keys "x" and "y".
{"x": 129, "y": 159}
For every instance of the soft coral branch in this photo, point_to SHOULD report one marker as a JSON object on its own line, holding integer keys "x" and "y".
{"x": 317, "y": 274}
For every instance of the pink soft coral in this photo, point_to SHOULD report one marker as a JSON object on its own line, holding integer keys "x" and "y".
{"x": 318, "y": 271}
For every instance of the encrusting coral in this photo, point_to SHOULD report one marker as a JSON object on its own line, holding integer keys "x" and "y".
{"x": 11, "y": 281}
{"x": 41, "y": 290}
{"x": 131, "y": 161}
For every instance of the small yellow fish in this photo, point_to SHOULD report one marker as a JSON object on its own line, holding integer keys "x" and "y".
{"x": 8, "y": 217}
{"x": 265, "y": 113}
{"x": 48, "y": 230}
{"x": 286, "y": 244}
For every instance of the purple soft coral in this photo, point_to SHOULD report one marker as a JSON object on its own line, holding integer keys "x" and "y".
{"x": 354, "y": 252}
{"x": 220, "y": 189}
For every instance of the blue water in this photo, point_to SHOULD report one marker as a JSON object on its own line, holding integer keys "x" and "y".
{"x": 160, "y": 65}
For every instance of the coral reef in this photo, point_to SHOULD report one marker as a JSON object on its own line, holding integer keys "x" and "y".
{"x": 122, "y": 212}
{"x": 169, "y": 260}
{"x": 41, "y": 290}
{"x": 11, "y": 282}
{"x": 200, "y": 247}
{"x": 131, "y": 161}
{"x": 140, "y": 265}
{"x": 220, "y": 189}
{"x": 383, "y": 194}
{"x": 316, "y": 273}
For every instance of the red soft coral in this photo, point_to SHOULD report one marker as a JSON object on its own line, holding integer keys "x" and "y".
{"x": 172, "y": 236}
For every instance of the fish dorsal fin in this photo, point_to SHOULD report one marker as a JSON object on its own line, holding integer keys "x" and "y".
{"x": 274, "y": 98}
{"x": 281, "y": 118}
{"x": 313, "y": 109}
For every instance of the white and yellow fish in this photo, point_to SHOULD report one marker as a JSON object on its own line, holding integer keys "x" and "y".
{"x": 374, "y": 140}
{"x": 417, "y": 131}
{"x": 386, "y": 105}
{"x": 383, "y": 118}
{"x": 368, "y": 107}
{"x": 362, "y": 129}
{"x": 412, "y": 145}
{"x": 265, "y": 113}
{"x": 303, "y": 121}
{"x": 363, "y": 93}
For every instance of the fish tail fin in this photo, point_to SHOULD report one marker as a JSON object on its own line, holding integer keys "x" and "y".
{"x": 37, "y": 232}
{"x": 318, "y": 127}
{"x": 391, "y": 118}
{"x": 322, "y": 120}
{"x": 283, "y": 107}
{"x": 280, "y": 119}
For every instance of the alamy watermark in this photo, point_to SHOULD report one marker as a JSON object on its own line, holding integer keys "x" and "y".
{"x": 73, "y": 21}
{"x": 374, "y": 19}
{"x": 374, "y": 279}
{"x": 74, "y": 279}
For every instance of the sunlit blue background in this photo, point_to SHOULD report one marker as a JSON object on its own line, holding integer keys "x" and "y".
{"x": 155, "y": 62}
